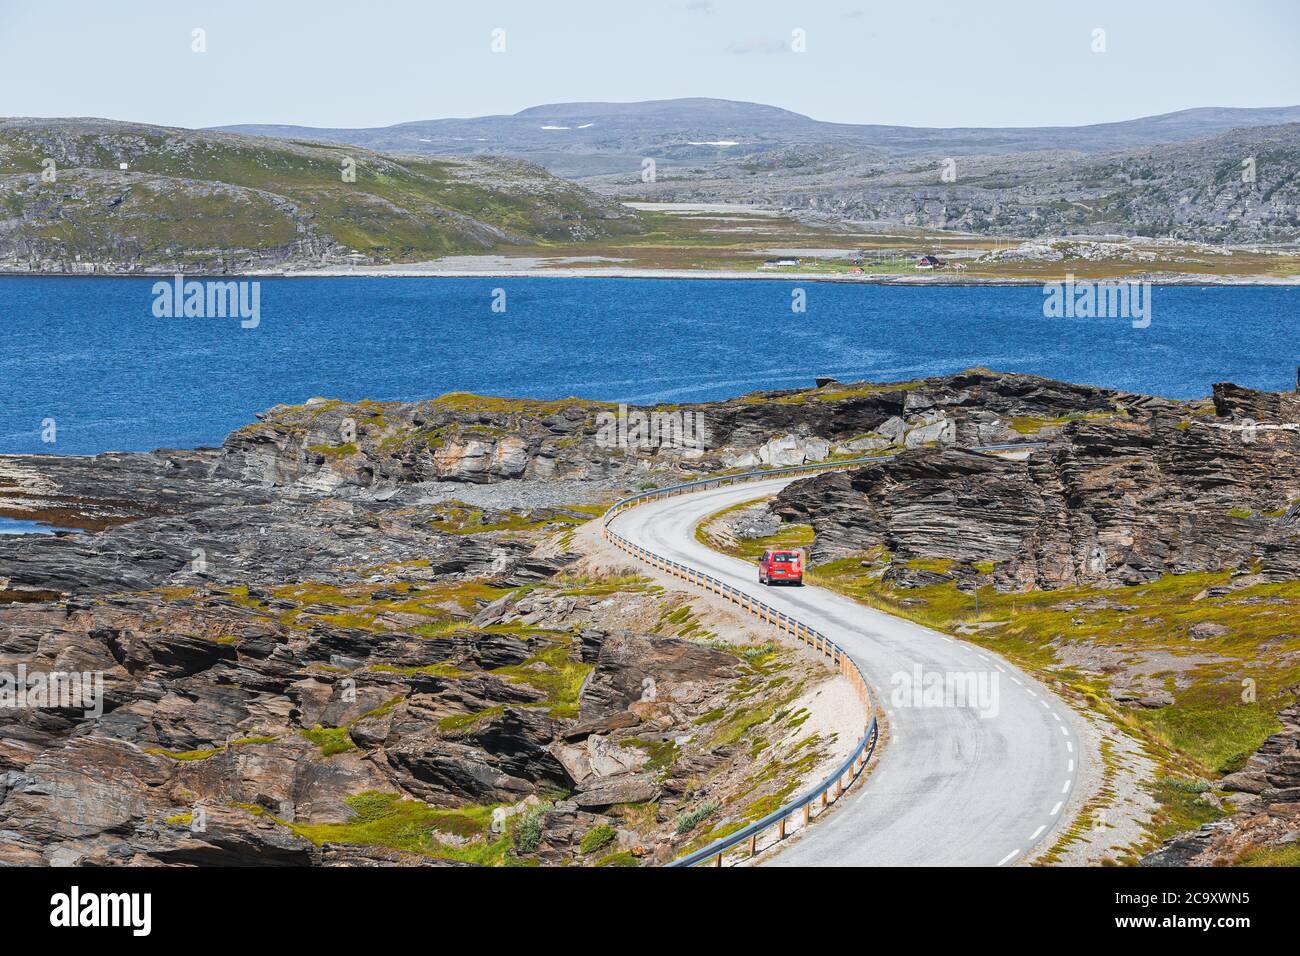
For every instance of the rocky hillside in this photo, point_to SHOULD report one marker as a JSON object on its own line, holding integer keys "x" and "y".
{"x": 321, "y": 656}
{"x": 584, "y": 139}
{"x": 393, "y": 455}
{"x": 215, "y": 202}
{"x": 1191, "y": 190}
{"x": 415, "y": 717}
{"x": 1117, "y": 496}
{"x": 360, "y": 633}
{"x": 1144, "y": 559}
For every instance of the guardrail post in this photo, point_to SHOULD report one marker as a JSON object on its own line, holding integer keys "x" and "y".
{"x": 782, "y": 831}
{"x": 717, "y": 860}
{"x": 807, "y": 813}
{"x": 753, "y": 844}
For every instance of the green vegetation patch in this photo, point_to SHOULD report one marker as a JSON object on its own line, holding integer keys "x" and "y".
{"x": 330, "y": 740}
{"x": 832, "y": 393}
{"x": 555, "y": 674}
{"x": 580, "y": 585}
{"x": 792, "y": 536}
{"x": 458, "y": 722}
{"x": 624, "y": 858}
{"x": 206, "y": 753}
{"x": 528, "y": 830}
{"x": 443, "y": 604}
{"x": 1183, "y": 807}
{"x": 389, "y": 820}
{"x": 185, "y": 754}
{"x": 597, "y": 838}
{"x": 1029, "y": 425}
{"x": 458, "y": 518}
{"x": 686, "y": 821}
{"x": 1271, "y": 856}
{"x": 662, "y": 753}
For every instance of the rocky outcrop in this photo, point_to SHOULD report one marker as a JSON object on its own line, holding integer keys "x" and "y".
{"x": 793, "y": 450}
{"x": 262, "y": 716}
{"x": 658, "y": 672}
{"x": 389, "y": 452}
{"x": 1196, "y": 189}
{"x": 289, "y": 540}
{"x": 327, "y": 446}
{"x": 1121, "y": 499}
{"x": 1246, "y": 405}
{"x": 277, "y": 664}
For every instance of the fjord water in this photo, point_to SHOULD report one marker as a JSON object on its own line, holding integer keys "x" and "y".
{"x": 89, "y": 353}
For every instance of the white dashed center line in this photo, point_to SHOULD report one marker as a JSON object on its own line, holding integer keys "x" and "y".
{"x": 1069, "y": 746}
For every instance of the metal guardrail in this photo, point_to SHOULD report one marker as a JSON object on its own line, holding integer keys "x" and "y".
{"x": 852, "y": 767}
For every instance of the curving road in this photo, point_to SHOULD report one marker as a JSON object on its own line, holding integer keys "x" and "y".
{"x": 951, "y": 788}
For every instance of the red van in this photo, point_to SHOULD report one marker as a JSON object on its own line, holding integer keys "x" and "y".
{"x": 781, "y": 564}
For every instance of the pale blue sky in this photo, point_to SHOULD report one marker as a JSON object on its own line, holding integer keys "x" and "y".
{"x": 929, "y": 63}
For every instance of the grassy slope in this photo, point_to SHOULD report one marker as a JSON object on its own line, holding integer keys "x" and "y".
{"x": 741, "y": 241}
{"x": 1226, "y": 689}
{"x": 1215, "y": 721}
{"x": 1209, "y": 724}
{"x": 405, "y": 209}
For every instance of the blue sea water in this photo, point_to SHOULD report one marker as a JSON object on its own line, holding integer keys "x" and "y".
{"x": 89, "y": 353}
{"x": 16, "y": 526}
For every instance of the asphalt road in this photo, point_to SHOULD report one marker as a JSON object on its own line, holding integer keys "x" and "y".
{"x": 976, "y": 782}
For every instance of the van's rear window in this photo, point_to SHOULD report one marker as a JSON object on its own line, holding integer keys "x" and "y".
{"x": 784, "y": 556}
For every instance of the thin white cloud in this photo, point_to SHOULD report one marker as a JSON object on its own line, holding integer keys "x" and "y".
{"x": 759, "y": 45}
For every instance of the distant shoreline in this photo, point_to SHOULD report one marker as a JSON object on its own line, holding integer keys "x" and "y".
{"x": 376, "y": 272}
